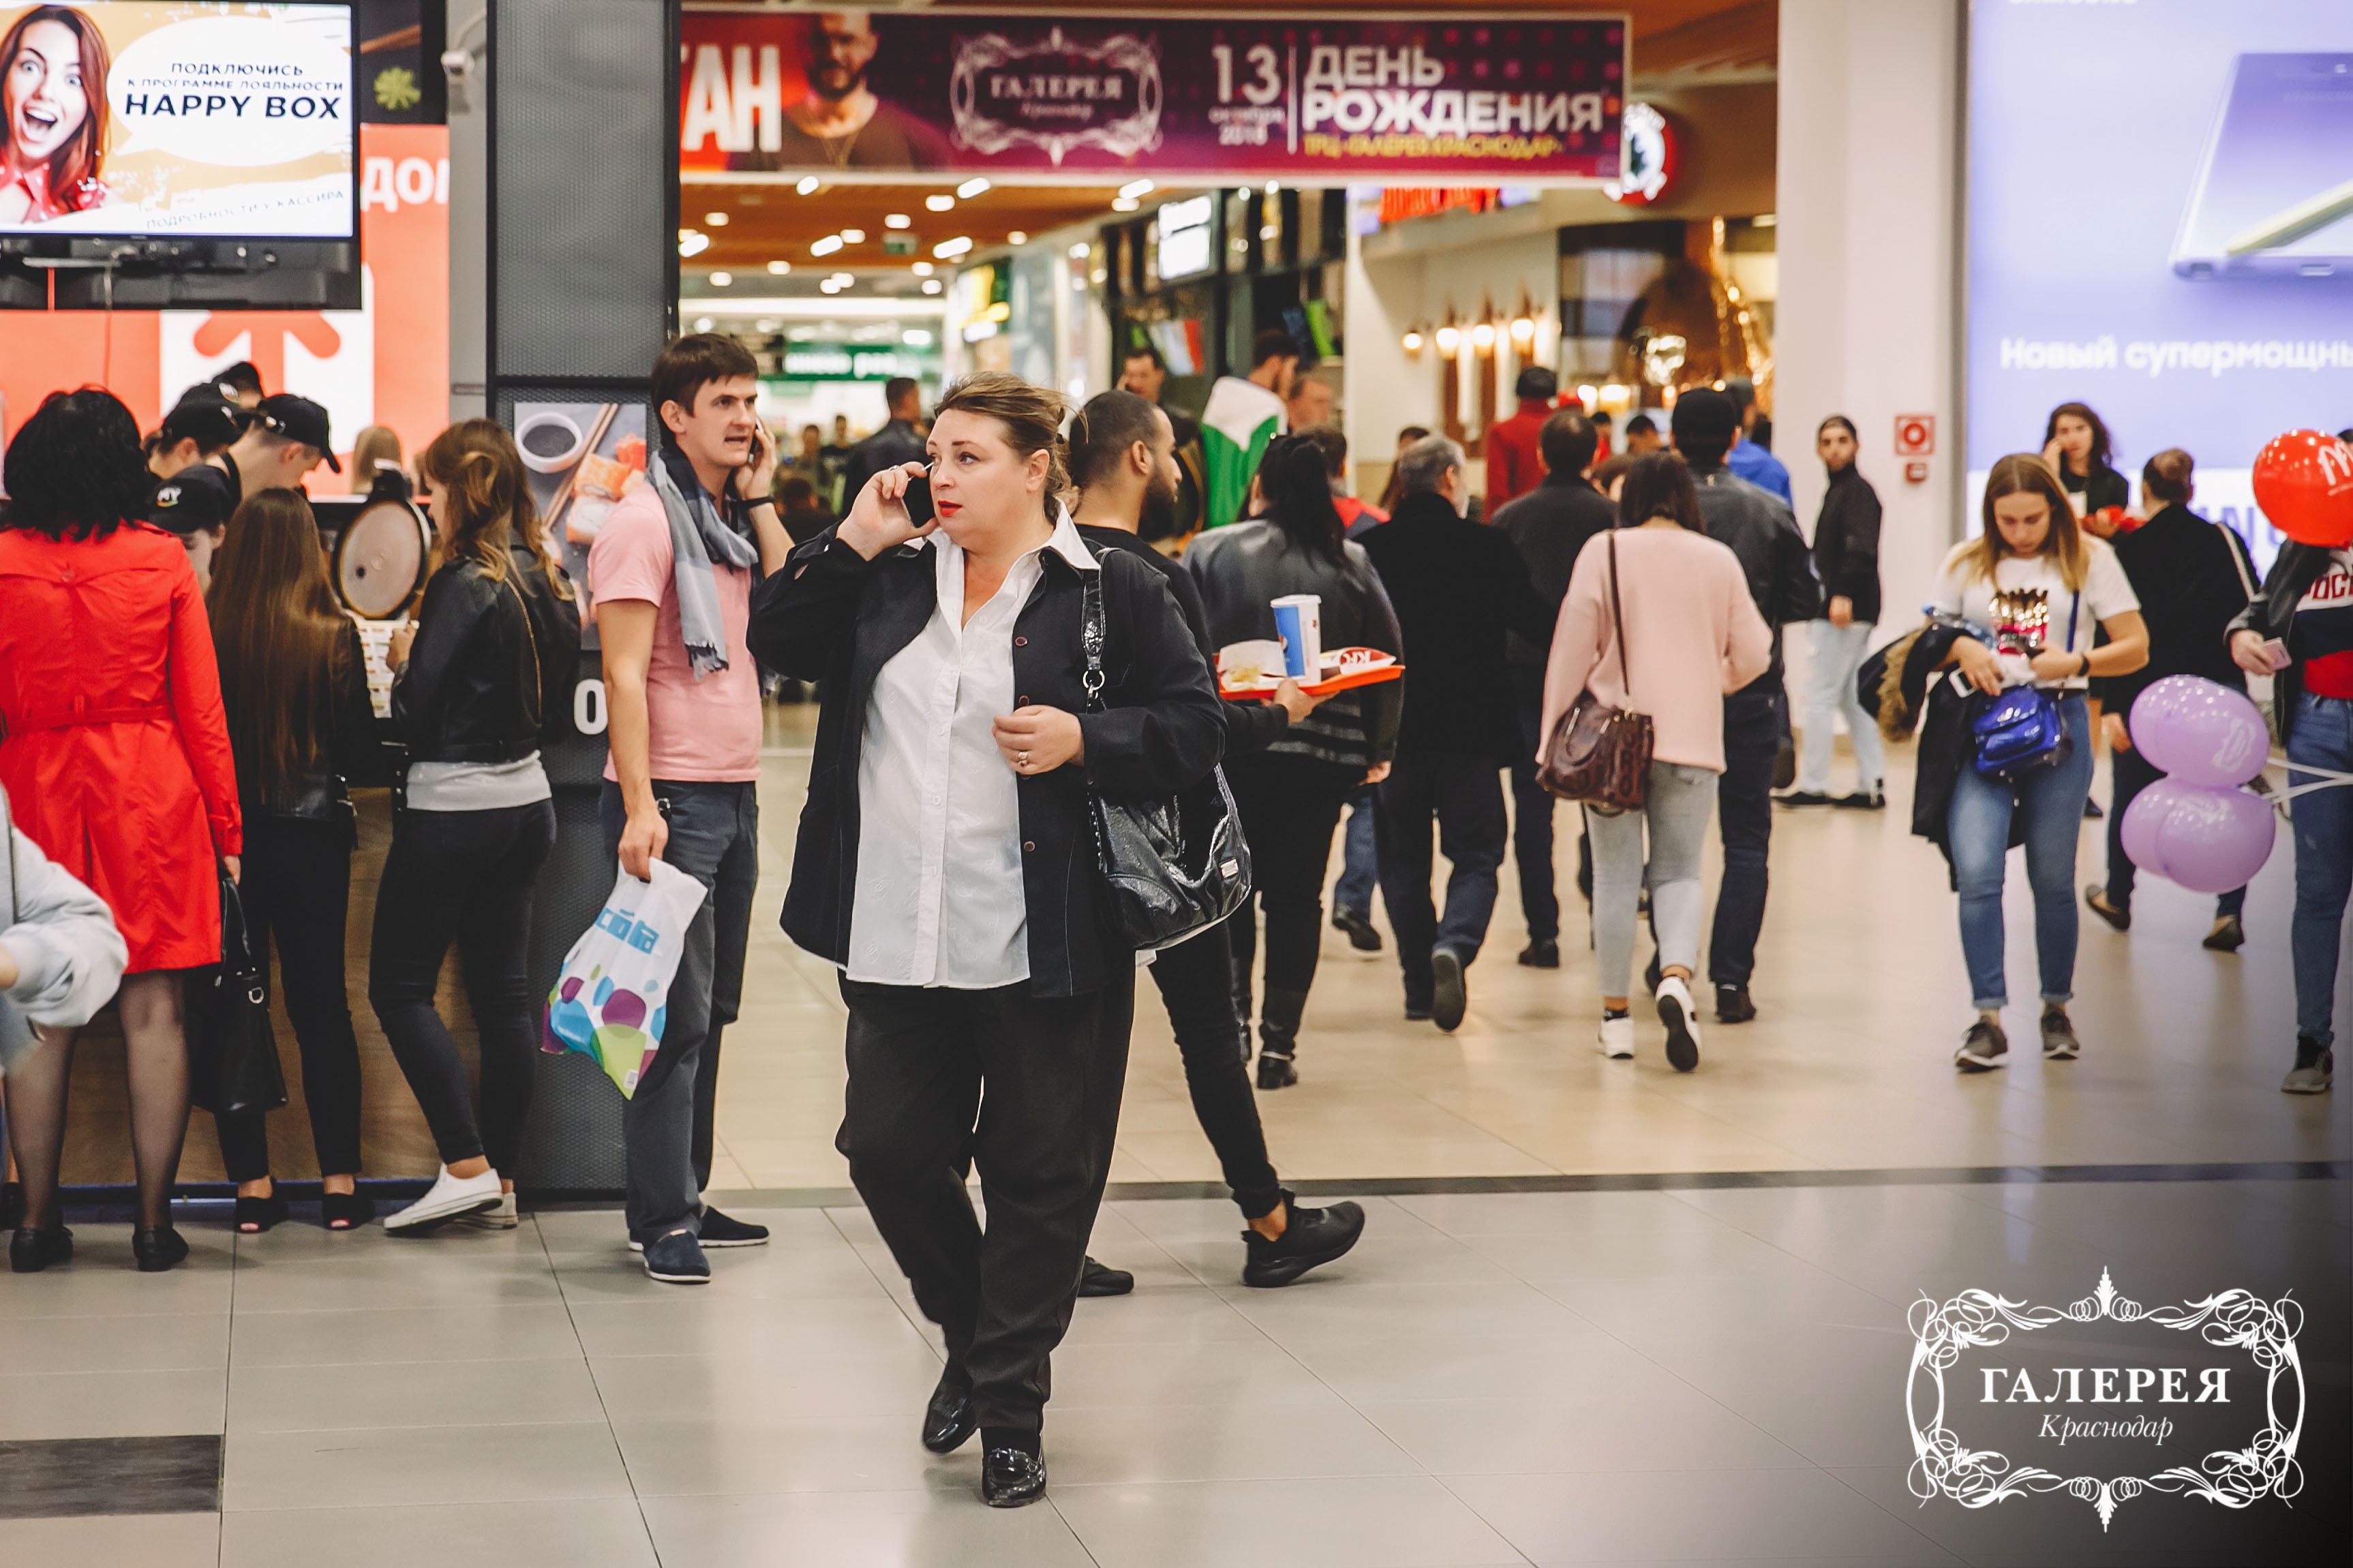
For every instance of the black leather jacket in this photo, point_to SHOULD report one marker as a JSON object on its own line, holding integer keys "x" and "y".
{"x": 1762, "y": 531}
{"x": 350, "y": 753}
{"x": 490, "y": 672}
{"x": 2272, "y": 612}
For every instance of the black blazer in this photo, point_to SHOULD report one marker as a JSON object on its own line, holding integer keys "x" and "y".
{"x": 468, "y": 693}
{"x": 832, "y": 615}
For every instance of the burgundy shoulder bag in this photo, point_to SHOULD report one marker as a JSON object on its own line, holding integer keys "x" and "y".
{"x": 1600, "y": 756}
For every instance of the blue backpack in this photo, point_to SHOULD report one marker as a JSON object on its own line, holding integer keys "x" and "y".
{"x": 2020, "y": 730}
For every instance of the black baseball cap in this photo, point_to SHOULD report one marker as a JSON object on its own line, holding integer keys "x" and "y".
{"x": 210, "y": 422}
{"x": 297, "y": 419}
{"x": 198, "y": 497}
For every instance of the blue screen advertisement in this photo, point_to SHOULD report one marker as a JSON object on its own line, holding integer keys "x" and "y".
{"x": 2161, "y": 213}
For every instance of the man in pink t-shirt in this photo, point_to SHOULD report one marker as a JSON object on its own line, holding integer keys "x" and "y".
{"x": 669, "y": 579}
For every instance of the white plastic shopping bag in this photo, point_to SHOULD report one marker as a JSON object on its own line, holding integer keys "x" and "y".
{"x": 612, "y": 996}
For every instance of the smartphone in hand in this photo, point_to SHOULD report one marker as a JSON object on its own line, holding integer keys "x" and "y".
{"x": 918, "y": 500}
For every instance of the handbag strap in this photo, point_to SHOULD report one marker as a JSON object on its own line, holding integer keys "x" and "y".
{"x": 1618, "y": 620}
{"x": 1091, "y": 638}
{"x": 538, "y": 681}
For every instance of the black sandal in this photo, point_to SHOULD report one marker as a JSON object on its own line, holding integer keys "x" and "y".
{"x": 346, "y": 1211}
{"x": 254, "y": 1216}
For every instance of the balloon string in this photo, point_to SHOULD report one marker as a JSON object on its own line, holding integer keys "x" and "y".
{"x": 2324, "y": 778}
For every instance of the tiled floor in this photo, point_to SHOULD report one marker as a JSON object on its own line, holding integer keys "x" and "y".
{"x": 1688, "y": 1376}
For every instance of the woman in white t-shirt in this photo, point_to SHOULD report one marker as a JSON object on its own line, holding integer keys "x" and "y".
{"x": 2040, "y": 586}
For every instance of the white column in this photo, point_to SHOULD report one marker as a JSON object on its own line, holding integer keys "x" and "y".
{"x": 1382, "y": 387}
{"x": 1869, "y": 241}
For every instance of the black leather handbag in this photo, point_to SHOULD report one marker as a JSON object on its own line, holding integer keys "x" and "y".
{"x": 233, "y": 1066}
{"x": 1172, "y": 865}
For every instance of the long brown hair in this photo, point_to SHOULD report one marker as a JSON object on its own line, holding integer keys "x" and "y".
{"x": 282, "y": 639}
{"x": 2025, "y": 473}
{"x": 79, "y": 158}
{"x": 481, "y": 493}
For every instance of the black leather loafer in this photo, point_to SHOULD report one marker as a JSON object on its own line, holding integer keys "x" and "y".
{"x": 1095, "y": 1279}
{"x": 948, "y": 1419}
{"x": 158, "y": 1249}
{"x": 31, "y": 1250}
{"x": 1012, "y": 1479}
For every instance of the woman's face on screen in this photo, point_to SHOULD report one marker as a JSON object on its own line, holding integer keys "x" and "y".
{"x": 980, "y": 485}
{"x": 43, "y": 91}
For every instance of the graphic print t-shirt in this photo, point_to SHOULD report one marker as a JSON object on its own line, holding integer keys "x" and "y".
{"x": 2324, "y": 629}
{"x": 2026, "y": 604}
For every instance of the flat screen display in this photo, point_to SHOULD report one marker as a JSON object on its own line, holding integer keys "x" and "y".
{"x": 158, "y": 121}
{"x": 1184, "y": 234}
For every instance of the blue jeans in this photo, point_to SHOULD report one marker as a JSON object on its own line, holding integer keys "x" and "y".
{"x": 2321, "y": 734}
{"x": 1360, "y": 868}
{"x": 2050, "y": 801}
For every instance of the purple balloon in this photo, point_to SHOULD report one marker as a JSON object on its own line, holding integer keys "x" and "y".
{"x": 2211, "y": 840}
{"x": 2201, "y": 731}
{"x": 2139, "y": 830}
{"x": 2152, "y": 715}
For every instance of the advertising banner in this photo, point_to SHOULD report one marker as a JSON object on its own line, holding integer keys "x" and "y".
{"x": 2161, "y": 226}
{"x": 1202, "y": 100}
{"x": 173, "y": 120}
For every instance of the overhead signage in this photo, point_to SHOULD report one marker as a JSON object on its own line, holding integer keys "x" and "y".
{"x": 1201, "y": 99}
{"x": 824, "y": 363}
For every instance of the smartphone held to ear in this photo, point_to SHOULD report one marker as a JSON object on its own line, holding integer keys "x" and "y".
{"x": 918, "y": 500}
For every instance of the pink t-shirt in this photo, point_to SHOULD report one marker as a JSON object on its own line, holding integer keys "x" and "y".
{"x": 705, "y": 731}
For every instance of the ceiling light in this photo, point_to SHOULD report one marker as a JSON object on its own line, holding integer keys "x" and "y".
{"x": 1413, "y": 342}
{"x": 923, "y": 270}
{"x": 845, "y": 278}
{"x": 1018, "y": 236}
{"x": 930, "y": 285}
{"x": 897, "y": 220}
{"x": 692, "y": 242}
{"x": 715, "y": 220}
{"x": 703, "y": 323}
{"x": 853, "y": 236}
{"x": 808, "y": 185}
{"x": 827, "y": 286}
{"x": 780, "y": 267}
{"x": 915, "y": 338}
{"x": 1522, "y": 330}
{"x": 825, "y": 247}
{"x": 1135, "y": 188}
{"x": 1484, "y": 335}
{"x": 1273, "y": 186}
{"x": 1081, "y": 251}
{"x": 949, "y": 249}
{"x": 939, "y": 203}
{"x": 1125, "y": 204}
{"x": 972, "y": 187}
{"x": 1449, "y": 340}
{"x": 722, "y": 279}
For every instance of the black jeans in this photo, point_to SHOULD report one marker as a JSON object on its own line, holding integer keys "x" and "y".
{"x": 462, "y": 877}
{"x": 667, "y": 1125}
{"x": 1462, "y": 792}
{"x": 1532, "y": 829}
{"x": 296, "y": 885}
{"x": 1196, "y": 983}
{"x": 2129, "y": 773}
{"x": 1744, "y": 807}
{"x": 1029, "y": 1087}
{"x": 1290, "y": 806}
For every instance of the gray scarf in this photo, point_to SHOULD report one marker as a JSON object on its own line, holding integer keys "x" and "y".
{"x": 698, "y": 536}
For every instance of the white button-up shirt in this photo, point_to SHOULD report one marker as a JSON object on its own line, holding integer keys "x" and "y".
{"x": 939, "y": 898}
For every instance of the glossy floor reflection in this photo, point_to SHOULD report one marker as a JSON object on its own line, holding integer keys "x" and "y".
{"x": 1687, "y": 1376}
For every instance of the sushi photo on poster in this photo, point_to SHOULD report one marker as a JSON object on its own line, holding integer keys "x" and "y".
{"x": 583, "y": 458}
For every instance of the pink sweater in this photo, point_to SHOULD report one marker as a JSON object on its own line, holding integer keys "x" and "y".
{"x": 1691, "y": 635}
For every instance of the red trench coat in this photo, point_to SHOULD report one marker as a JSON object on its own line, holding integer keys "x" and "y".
{"x": 115, "y": 750}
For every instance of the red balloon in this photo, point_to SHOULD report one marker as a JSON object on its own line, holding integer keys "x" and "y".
{"x": 2303, "y": 483}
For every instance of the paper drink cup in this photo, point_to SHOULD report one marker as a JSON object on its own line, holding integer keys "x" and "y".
{"x": 1298, "y": 620}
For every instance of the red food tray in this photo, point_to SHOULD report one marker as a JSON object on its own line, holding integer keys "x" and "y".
{"x": 1347, "y": 681}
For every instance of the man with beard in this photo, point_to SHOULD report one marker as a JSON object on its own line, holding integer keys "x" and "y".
{"x": 841, "y": 123}
{"x": 1123, "y": 459}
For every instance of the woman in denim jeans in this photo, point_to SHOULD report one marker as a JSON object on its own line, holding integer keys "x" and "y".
{"x": 2041, "y": 585}
{"x": 2306, "y": 607}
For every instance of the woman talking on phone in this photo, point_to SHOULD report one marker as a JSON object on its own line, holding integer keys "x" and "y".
{"x": 946, "y": 863}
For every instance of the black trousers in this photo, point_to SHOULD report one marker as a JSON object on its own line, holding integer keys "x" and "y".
{"x": 1744, "y": 807}
{"x": 1462, "y": 793}
{"x": 1290, "y": 807}
{"x": 296, "y": 884}
{"x": 1532, "y": 829}
{"x": 462, "y": 877}
{"x": 1196, "y": 983}
{"x": 1029, "y": 1086}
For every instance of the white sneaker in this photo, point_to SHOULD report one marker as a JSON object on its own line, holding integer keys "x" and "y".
{"x": 502, "y": 1216}
{"x": 1682, "y": 1020}
{"x": 1617, "y": 1039}
{"x": 451, "y": 1197}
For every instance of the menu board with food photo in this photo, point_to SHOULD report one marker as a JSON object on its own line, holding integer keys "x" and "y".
{"x": 583, "y": 458}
